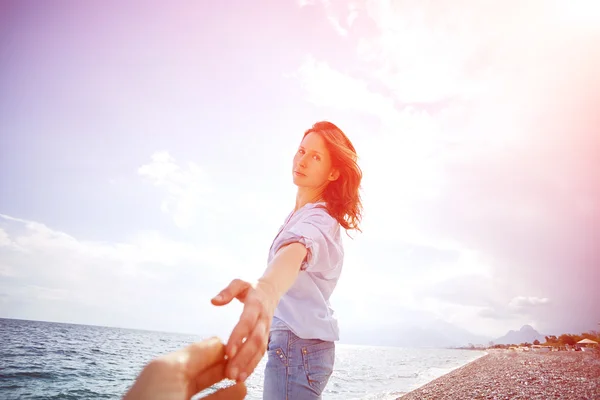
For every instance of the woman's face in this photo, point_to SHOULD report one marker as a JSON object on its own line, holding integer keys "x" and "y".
{"x": 312, "y": 163}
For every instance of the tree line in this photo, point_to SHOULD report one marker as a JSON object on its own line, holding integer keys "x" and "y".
{"x": 566, "y": 339}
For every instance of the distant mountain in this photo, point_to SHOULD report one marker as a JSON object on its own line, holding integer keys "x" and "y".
{"x": 454, "y": 336}
{"x": 525, "y": 335}
{"x": 438, "y": 334}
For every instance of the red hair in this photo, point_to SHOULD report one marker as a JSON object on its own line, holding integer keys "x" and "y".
{"x": 342, "y": 195}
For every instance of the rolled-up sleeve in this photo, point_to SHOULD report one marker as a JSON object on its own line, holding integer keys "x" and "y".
{"x": 317, "y": 232}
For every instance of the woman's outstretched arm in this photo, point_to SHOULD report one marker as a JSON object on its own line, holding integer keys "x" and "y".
{"x": 283, "y": 269}
{"x": 248, "y": 341}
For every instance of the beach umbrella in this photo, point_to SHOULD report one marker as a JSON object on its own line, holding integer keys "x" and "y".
{"x": 587, "y": 341}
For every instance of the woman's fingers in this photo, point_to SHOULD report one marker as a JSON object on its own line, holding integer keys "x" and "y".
{"x": 247, "y": 342}
{"x": 243, "y": 328}
{"x": 259, "y": 354}
{"x": 237, "y": 391}
{"x": 236, "y": 288}
{"x": 253, "y": 363}
{"x": 250, "y": 353}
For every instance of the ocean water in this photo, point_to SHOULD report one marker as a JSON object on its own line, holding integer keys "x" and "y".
{"x": 46, "y": 360}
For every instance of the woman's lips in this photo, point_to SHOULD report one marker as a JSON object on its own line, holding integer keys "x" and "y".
{"x": 299, "y": 173}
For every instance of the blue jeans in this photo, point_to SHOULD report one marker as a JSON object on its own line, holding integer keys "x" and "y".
{"x": 297, "y": 369}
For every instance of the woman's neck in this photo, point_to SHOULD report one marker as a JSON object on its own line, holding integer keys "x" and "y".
{"x": 305, "y": 196}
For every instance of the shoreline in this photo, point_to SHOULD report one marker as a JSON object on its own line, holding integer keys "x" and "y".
{"x": 504, "y": 374}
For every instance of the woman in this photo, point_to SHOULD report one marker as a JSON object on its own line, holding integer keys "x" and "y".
{"x": 288, "y": 308}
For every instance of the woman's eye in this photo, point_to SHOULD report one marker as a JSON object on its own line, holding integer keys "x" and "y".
{"x": 317, "y": 158}
{"x": 301, "y": 151}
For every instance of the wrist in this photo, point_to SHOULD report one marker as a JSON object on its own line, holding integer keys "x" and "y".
{"x": 269, "y": 291}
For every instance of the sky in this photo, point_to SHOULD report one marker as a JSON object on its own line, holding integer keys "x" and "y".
{"x": 146, "y": 157}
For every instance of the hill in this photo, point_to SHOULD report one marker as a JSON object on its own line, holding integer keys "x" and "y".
{"x": 527, "y": 334}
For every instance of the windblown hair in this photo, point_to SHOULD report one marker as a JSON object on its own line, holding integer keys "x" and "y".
{"x": 342, "y": 195}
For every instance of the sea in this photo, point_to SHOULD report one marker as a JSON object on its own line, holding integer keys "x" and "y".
{"x": 49, "y": 360}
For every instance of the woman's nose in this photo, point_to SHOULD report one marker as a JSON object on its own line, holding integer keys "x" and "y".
{"x": 302, "y": 161}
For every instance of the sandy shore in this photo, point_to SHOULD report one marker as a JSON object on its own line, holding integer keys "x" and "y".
{"x": 511, "y": 375}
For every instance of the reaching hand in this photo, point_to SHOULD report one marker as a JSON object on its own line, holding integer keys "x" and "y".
{"x": 248, "y": 341}
{"x": 182, "y": 374}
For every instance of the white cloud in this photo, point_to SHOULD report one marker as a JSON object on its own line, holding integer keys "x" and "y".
{"x": 187, "y": 188}
{"x": 352, "y": 15}
{"x": 454, "y": 109}
{"x": 477, "y": 102}
{"x": 304, "y": 3}
{"x": 337, "y": 25}
{"x": 327, "y": 87}
{"x": 56, "y": 276}
{"x": 8, "y": 271}
{"x": 520, "y": 302}
{"x": 337, "y": 12}
{"x": 4, "y": 240}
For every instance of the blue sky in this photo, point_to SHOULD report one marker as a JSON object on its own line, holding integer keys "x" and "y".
{"x": 145, "y": 158}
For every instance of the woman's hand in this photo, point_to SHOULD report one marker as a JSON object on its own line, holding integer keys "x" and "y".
{"x": 248, "y": 341}
{"x": 183, "y": 373}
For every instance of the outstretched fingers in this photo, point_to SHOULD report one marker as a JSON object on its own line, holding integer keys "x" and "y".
{"x": 236, "y": 289}
{"x": 243, "y": 330}
{"x": 251, "y": 352}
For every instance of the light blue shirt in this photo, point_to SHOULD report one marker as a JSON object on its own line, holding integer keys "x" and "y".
{"x": 305, "y": 307}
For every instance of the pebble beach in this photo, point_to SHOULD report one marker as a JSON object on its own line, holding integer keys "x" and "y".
{"x": 505, "y": 374}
